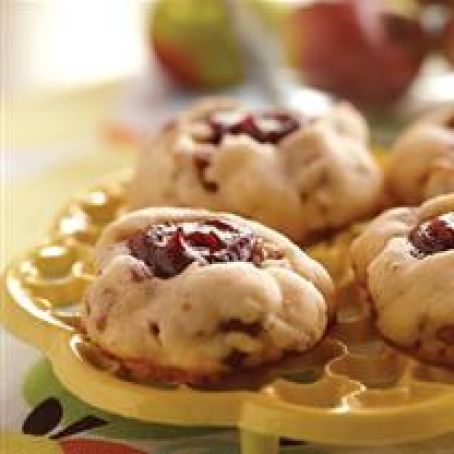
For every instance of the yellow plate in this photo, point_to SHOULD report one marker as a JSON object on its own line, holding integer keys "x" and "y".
{"x": 351, "y": 389}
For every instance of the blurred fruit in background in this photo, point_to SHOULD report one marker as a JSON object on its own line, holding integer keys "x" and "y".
{"x": 368, "y": 51}
{"x": 357, "y": 49}
{"x": 194, "y": 42}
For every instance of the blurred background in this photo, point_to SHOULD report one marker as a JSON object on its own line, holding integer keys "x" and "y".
{"x": 380, "y": 54}
{"x": 82, "y": 78}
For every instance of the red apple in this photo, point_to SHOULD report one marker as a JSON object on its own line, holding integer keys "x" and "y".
{"x": 357, "y": 49}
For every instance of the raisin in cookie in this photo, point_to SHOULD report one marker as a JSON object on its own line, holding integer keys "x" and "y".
{"x": 190, "y": 296}
{"x": 405, "y": 258}
{"x": 422, "y": 162}
{"x": 297, "y": 174}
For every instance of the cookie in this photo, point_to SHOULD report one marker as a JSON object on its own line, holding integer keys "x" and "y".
{"x": 422, "y": 161}
{"x": 405, "y": 260}
{"x": 191, "y": 296}
{"x": 297, "y": 174}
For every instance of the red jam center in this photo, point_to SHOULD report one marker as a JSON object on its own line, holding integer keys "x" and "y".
{"x": 169, "y": 248}
{"x": 435, "y": 235}
{"x": 264, "y": 127}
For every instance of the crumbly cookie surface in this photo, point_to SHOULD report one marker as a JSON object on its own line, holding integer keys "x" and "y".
{"x": 405, "y": 258}
{"x": 296, "y": 174}
{"x": 422, "y": 161}
{"x": 192, "y": 295}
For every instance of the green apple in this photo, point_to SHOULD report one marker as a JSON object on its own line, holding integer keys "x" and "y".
{"x": 194, "y": 42}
